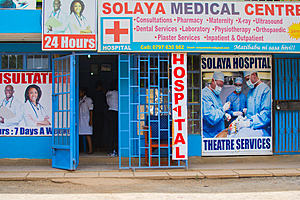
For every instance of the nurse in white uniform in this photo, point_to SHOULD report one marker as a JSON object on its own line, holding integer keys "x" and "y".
{"x": 78, "y": 24}
{"x": 34, "y": 113}
{"x": 86, "y": 117}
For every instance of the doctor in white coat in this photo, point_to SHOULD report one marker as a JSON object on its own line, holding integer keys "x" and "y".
{"x": 34, "y": 113}
{"x": 86, "y": 117}
{"x": 12, "y": 104}
{"x": 78, "y": 24}
{"x": 59, "y": 16}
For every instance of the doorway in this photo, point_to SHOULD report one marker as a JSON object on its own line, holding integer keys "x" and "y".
{"x": 98, "y": 76}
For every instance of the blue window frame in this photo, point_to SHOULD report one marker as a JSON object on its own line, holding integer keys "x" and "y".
{"x": 194, "y": 94}
{"x": 25, "y": 61}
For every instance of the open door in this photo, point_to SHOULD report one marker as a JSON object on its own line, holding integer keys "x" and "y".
{"x": 65, "y": 151}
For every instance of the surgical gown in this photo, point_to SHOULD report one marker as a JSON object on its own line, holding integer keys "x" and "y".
{"x": 259, "y": 108}
{"x": 237, "y": 103}
{"x": 213, "y": 113}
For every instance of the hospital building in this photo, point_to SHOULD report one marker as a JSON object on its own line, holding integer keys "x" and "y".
{"x": 166, "y": 60}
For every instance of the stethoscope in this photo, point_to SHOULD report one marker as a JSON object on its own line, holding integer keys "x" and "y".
{"x": 35, "y": 107}
{"x": 12, "y": 98}
{"x": 55, "y": 14}
{"x": 81, "y": 19}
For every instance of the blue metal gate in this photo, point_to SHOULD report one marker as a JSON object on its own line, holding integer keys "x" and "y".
{"x": 64, "y": 109}
{"x": 145, "y": 107}
{"x": 287, "y": 105}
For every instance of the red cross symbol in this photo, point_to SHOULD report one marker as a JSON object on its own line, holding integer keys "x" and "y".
{"x": 116, "y": 31}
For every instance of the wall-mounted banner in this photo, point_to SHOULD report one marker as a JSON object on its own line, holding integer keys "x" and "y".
{"x": 25, "y": 103}
{"x": 69, "y": 25}
{"x": 236, "y": 104}
{"x": 18, "y": 4}
{"x": 179, "y": 105}
{"x": 172, "y": 26}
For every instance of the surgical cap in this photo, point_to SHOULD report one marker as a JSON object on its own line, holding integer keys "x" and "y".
{"x": 238, "y": 80}
{"x": 247, "y": 73}
{"x": 218, "y": 76}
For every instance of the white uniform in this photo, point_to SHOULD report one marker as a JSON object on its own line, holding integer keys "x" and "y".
{"x": 15, "y": 107}
{"x": 85, "y": 106}
{"x": 34, "y": 114}
{"x": 61, "y": 17}
{"x": 112, "y": 100}
{"x": 77, "y": 24}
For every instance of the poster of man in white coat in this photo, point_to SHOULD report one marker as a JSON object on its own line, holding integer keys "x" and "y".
{"x": 25, "y": 104}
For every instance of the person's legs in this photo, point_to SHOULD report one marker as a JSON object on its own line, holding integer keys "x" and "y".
{"x": 115, "y": 131}
{"x": 89, "y": 141}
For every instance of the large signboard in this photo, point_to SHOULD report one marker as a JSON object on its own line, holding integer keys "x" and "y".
{"x": 173, "y": 26}
{"x": 17, "y": 4}
{"x": 25, "y": 103}
{"x": 236, "y": 105}
{"x": 69, "y": 25}
{"x": 179, "y": 105}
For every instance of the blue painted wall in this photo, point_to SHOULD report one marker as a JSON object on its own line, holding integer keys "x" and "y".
{"x": 194, "y": 145}
{"x": 20, "y": 47}
{"x": 21, "y": 21}
{"x": 25, "y": 147}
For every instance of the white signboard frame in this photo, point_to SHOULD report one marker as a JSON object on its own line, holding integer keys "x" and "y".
{"x": 179, "y": 107}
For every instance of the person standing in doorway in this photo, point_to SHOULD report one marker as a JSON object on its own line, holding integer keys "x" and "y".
{"x": 86, "y": 117}
{"x": 100, "y": 109}
{"x": 112, "y": 101}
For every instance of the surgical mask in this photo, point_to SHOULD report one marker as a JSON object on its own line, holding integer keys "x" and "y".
{"x": 238, "y": 89}
{"x": 250, "y": 84}
{"x": 218, "y": 89}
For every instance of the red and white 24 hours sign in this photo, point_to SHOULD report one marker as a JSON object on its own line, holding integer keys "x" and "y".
{"x": 69, "y": 25}
{"x": 179, "y": 105}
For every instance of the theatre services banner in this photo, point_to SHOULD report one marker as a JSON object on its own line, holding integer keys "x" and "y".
{"x": 17, "y": 4}
{"x": 25, "y": 103}
{"x": 173, "y": 26}
{"x": 236, "y": 104}
{"x": 69, "y": 25}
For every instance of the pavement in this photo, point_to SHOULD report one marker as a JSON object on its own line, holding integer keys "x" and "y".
{"x": 163, "y": 196}
{"x": 198, "y": 168}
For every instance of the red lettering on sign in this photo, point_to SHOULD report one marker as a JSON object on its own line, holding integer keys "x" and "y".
{"x": 178, "y": 110}
{"x": 16, "y": 78}
{"x": 7, "y": 79}
{"x": 149, "y": 7}
{"x": 69, "y": 41}
{"x": 179, "y": 121}
{"x": 178, "y": 153}
{"x": 179, "y": 139}
{"x": 179, "y": 85}
{"x": 177, "y": 70}
{"x": 176, "y": 59}
{"x": 25, "y": 78}
{"x": 137, "y": 8}
{"x": 178, "y": 96}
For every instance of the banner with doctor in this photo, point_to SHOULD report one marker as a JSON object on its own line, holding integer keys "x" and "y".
{"x": 69, "y": 25}
{"x": 18, "y": 4}
{"x": 236, "y": 104}
{"x": 25, "y": 103}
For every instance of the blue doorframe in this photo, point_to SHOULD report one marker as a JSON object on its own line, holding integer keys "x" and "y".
{"x": 65, "y": 148}
{"x": 286, "y": 95}
{"x": 145, "y": 105}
